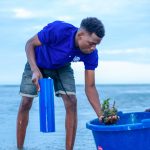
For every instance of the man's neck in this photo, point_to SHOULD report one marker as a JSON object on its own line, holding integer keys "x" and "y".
{"x": 76, "y": 40}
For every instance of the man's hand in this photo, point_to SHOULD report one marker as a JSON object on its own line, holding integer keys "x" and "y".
{"x": 108, "y": 120}
{"x": 100, "y": 117}
{"x": 109, "y": 114}
{"x": 35, "y": 78}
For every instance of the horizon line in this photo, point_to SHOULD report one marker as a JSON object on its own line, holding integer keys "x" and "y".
{"x": 95, "y": 84}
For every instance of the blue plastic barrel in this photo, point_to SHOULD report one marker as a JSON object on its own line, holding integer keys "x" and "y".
{"x": 132, "y": 132}
{"x": 46, "y": 105}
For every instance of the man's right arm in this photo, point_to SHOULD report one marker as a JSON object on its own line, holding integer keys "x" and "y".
{"x": 29, "y": 48}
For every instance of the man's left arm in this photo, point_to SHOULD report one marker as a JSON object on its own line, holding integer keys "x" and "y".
{"x": 91, "y": 91}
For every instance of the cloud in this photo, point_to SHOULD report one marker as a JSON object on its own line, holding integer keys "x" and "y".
{"x": 110, "y": 72}
{"x": 127, "y": 51}
{"x": 23, "y": 13}
{"x": 15, "y": 65}
{"x": 98, "y": 6}
{"x": 139, "y": 55}
{"x": 64, "y": 18}
{"x": 127, "y": 25}
{"x": 102, "y": 7}
{"x": 76, "y": 8}
{"x": 123, "y": 72}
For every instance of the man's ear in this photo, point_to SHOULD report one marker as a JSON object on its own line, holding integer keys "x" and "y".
{"x": 80, "y": 33}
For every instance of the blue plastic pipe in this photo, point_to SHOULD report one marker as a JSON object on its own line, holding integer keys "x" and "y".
{"x": 46, "y": 105}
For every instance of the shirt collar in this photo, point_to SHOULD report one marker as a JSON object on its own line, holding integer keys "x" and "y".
{"x": 72, "y": 40}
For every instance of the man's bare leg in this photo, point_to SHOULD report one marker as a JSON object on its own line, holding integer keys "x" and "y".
{"x": 22, "y": 120}
{"x": 71, "y": 120}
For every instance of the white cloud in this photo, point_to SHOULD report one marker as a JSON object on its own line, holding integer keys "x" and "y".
{"x": 78, "y": 68}
{"x": 119, "y": 12}
{"x": 99, "y": 6}
{"x": 127, "y": 51}
{"x": 122, "y": 72}
{"x": 15, "y": 65}
{"x": 64, "y": 18}
{"x": 37, "y": 27}
{"x": 140, "y": 55}
{"x": 76, "y": 8}
{"x": 110, "y": 72}
{"x": 23, "y": 13}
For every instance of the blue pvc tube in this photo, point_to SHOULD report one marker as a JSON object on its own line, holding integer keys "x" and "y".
{"x": 46, "y": 105}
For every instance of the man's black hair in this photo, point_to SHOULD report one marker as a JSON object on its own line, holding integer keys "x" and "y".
{"x": 93, "y": 25}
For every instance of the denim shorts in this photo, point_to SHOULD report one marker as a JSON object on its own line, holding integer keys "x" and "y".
{"x": 63, "y": 81}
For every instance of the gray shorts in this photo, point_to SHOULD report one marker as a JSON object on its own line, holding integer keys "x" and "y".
{"x": 63, "y": 81}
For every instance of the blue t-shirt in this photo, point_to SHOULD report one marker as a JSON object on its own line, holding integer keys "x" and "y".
{"x": 58, "y": 47}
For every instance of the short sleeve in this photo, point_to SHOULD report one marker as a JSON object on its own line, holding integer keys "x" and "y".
{"x": 49, "y": 33}
{"x": 91, "y": 61}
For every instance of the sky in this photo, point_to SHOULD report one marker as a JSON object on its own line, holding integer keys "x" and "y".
{"x": 124, "y": 53}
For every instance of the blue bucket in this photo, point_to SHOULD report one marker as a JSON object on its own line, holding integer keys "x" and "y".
{"x": 46, "y": 105}
{"x": 132, "y": 132}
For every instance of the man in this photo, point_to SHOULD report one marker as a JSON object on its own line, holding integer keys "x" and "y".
{"x": 49, "y": 54}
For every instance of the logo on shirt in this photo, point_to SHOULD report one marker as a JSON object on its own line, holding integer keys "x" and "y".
{"x": 76, "y": 58}
{"x": 100, "y": 148}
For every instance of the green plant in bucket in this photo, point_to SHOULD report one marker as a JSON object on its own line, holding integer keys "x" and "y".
{"x": 109, "y": 113}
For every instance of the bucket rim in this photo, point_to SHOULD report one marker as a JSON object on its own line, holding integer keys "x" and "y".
{"x": 145, "y": 123}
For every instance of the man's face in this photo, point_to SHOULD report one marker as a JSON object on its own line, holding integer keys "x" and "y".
{"x": 87, "y": 42}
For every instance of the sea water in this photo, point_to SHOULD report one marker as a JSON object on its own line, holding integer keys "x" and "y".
{"x": 129, "y": 98}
